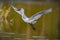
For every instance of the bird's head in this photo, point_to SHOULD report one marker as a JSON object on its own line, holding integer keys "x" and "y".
{"x": 22, "y": 11}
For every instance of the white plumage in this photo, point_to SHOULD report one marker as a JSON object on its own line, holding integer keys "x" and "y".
{"x": 33, "y": 18}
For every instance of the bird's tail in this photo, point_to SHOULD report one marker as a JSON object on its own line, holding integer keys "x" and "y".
{"x": 33, "y": 27}
{"x": 48, "y": 10}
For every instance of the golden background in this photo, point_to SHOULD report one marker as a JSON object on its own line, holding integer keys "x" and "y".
{"x": 47, "y": 25}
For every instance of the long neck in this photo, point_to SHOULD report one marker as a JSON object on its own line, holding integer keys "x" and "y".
{"x": 22, "y": 13}
{"x": 24, "y": 16}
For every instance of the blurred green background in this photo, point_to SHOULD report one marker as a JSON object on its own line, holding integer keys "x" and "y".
{"x": 47, "y": 25}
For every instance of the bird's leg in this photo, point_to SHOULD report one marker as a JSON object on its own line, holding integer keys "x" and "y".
{"x": 33, "y": 27}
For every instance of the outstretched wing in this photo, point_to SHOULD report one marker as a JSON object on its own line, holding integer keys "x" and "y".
{"x": 20, "y": 11}
{"x": 39, "y": 14}
{"x": 17, "y": 10}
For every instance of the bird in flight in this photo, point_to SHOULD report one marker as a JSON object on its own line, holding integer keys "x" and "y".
{"x": 33, "y": 19}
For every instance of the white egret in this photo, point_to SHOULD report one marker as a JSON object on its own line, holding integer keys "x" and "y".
{"x": 33, "y": 18}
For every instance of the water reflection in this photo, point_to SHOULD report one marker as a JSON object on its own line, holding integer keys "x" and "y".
{"x": 18, "y": 38}
{"x": 40, "y": 37}
{"x": 12, "y": 36}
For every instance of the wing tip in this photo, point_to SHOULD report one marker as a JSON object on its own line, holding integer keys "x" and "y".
{"x": 50, "y": 10}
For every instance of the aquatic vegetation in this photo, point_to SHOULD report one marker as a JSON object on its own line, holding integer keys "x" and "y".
{"x": 3, "y": 17}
